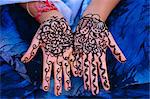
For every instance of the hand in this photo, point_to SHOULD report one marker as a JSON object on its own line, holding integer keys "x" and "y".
{"x": 91, "y": 41}
{"x": 54, "y": 37}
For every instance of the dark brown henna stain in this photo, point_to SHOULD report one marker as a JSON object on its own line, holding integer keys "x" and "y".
{"x": 92, "y": 36}
{"x": 58, "y": 78}
{"x": 86, "y": 72}
{"x": 68, "y": 74}
{"x": 56, "y": 35}
{"x": 115, "y": 52}
{"x": 94, "y": 75}
{"x": 78, "y": 69}
{"x": 47, "y": 69}
{"x": 105, "y": 83}
{"x": 26, "y": 59}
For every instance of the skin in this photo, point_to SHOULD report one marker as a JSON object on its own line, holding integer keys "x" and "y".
{"x": 94, "y": 64}
{"x": 58, "y": 62}
{"x": 79, "y": 63}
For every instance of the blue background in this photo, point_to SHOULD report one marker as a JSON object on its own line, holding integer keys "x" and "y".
{"x": 129, "y": 24}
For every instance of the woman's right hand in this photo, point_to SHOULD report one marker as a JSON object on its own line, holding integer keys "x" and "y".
{"x": 55, "y": 39}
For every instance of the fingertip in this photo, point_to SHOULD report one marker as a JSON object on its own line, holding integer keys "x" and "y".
{"x": 67, "y": 85}
{"x": 24, "y": 59}
{"x": 45, "y": 88}
{"x": 107, "y": 89}
{"x": 57, "y": 93}
{"x": 75, "y": 74}
{"x": 80, "y": 74}
{"x": 86, "y": 87}
{"x": 67, "y": 88}
{"x": 95, "y": 93}
{"x": 123, "y": 59}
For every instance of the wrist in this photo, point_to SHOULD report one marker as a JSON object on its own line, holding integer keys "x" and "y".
{"x": 93, "y": 9}
{"x": 41, "y": 11}
{"x": 101, "y": 7}
{"x": 46, "y": 15}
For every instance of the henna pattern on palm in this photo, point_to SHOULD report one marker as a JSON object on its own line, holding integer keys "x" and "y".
{"x": 91, "y": 41}
{"x": 56, "y": 40}
{"x": 56, "y": 35}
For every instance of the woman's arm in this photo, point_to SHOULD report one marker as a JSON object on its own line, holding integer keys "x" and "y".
{"x": 33, "y": 11}
{"x": 101, "y": 7}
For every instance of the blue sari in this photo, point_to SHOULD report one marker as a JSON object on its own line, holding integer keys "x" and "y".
{"x": 129, "y": 24}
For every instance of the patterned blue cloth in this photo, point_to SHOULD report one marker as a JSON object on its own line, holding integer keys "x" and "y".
{"x": 129, "y": 25}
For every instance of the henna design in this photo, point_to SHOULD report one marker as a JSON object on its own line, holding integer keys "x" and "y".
{"x": 47, "y": 69}
{"x": 68, "y": 82}
{"x": 91, "y": 35}
{"x": 56, "y": 36}
{"x": 86, "y": 72}
{"x": 58, "y": 78}
{"x": 94, "y": 75}
{"x": 26, "y": 59}
{"x": 114, "y": 51}
{"x": 78, "y": 66}
{"x": 68, "y": 74}
{"x": 103, "y": 76}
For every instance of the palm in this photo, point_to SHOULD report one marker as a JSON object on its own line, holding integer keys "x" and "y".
{"x": 54, "y": 37}
{"x": 91, "y": 41}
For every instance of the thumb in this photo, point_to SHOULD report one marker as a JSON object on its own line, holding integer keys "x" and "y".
{"x": 31, "y": 52}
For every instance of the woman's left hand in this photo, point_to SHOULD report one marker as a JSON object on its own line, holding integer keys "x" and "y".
{"x": 91, "y": 40}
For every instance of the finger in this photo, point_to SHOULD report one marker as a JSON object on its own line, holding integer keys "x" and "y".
{"x": 71, "y": 62}
{"x": 47, "y": 67}
{"x": 86, "y": 72}
{"x": 75, "y": 67}
{"x": 115, "y": 49}
{"x": 66, "y": 70}
{"x": 80, "y": 65}
{"x": 103, "y": 72}
{"x": 58, "y": 78}
{"x": 94, "y": 75}
{"x": 31, "y": 51}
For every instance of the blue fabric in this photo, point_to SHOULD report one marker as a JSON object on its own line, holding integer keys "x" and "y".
{"x": 129, "y": 26}
{"x": 70, "y": 6}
